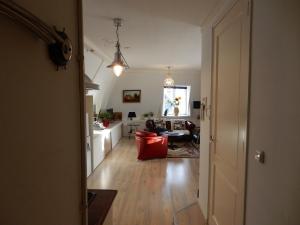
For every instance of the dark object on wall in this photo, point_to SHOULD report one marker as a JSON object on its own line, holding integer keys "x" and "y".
{"x": 131, "y": 96}
{"x": 117, "y": 115}
{"x": 196, "y": 104}
{"x": 59, "y": 45}
{"x": 131, "y": 115}
{"x": 110, "y": 111}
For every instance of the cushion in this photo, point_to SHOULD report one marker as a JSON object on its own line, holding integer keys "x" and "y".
{"x": 168, "y": 125}
{"x": 150, "y": 125}
{"x": 160, "y": 124}
{"x": 145, "y": 134}
{"x": 179, "y": 125}
{"x": 189, "y": 125}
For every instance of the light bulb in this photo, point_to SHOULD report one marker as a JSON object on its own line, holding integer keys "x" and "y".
{"x": 169, "y": 81}
{"x": 118, "y": 69}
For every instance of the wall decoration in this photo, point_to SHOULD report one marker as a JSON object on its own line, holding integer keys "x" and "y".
{"x": 131, "y": 96}
{"x": 59, "y": 45}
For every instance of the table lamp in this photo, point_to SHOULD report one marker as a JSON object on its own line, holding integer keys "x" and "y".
{"x": 131, "y": 115}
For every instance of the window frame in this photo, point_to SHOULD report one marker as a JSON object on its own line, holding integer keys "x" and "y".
{"x": 188, "y": 101}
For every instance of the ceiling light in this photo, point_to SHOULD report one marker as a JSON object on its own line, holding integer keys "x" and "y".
{"x": 169, "y": 80}
{"x": 119, "y": 64}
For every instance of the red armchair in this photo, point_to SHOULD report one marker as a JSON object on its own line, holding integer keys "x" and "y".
{"x": 150, "y": 146}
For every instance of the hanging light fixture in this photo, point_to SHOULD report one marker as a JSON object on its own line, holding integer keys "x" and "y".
{"x": 169, "y": 80}
{"x": 119, "y": 64}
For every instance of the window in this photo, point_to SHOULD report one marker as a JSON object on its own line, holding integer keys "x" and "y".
{"x": 176, "y": 96}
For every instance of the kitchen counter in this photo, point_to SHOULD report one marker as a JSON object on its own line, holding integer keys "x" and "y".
{"x": 108, "y": 129}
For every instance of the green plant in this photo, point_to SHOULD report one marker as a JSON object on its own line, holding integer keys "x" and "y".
{"x": 148, "y": 114}
{"x": 104, "y": 116}
{"x": 175, "y": 102}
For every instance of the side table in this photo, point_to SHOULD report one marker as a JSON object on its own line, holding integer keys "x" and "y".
{"x": 132, "y": 129}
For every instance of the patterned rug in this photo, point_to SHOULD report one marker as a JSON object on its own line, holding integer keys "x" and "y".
{"x": 183, "y": 150}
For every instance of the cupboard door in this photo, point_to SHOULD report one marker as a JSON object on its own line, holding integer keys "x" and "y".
{"x": 116, "y": 135}
{"x": 98, "y": 150}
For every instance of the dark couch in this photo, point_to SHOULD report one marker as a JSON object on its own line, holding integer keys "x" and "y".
{"x": 189, "y": 126}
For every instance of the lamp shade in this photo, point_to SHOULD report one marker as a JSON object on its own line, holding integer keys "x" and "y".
{"x": 117, "y": 65}
{"x": 131, "y": 115}
{"x": 168, "y": 82}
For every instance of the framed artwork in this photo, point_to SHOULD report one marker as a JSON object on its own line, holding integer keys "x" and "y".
{"x": 131, "y": 96}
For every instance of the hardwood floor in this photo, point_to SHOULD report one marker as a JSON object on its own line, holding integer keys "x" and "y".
{"x": 149, "y": 192}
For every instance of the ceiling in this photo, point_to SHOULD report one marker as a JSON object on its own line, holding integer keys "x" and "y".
{"x": 154, "y": 34}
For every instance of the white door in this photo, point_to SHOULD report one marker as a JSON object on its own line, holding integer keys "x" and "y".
{"x": 231, "y": 44}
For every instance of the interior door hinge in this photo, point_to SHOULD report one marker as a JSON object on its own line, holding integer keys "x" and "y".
{"x": 212, "y": 139}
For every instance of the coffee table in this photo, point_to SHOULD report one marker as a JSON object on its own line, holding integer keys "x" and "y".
{"x": 173, "y": 136}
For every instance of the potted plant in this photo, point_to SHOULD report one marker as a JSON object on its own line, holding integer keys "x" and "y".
{"x": 151, "y": 114}
{"x": 104, "y": 117}
{"x": 145, "y": 115}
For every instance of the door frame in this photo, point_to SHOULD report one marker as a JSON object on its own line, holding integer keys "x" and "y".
{"x": 80, "y": 59}
{"x": 216, "y": 21}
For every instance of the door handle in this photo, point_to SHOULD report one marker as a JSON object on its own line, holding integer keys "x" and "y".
{"x": 260, "y": 156}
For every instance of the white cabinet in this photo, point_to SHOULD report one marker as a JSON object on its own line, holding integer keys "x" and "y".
{"x": 98, "y": 150}
{"x": 116, "y": 134}
{"x": 104, "y": 141}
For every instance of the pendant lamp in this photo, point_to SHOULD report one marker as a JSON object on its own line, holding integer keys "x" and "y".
{"x": 168, "y": 82}
{"x": 119, "y": 64}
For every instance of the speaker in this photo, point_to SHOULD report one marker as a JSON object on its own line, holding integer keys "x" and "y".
{"x": 196, "y": 104}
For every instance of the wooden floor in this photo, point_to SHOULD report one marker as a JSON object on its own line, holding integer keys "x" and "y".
{"x": 149, "y": 192}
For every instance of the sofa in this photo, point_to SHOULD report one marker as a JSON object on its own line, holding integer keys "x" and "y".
{"x": 150, "y": 145}
{"x": 159, "y": 126}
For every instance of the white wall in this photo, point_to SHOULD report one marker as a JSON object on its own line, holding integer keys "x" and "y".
{"x": 273, "y": 189}
{"x": 95, "y": 68}
{"x": 151, "y": 85}
{"x": 40, "y": 141}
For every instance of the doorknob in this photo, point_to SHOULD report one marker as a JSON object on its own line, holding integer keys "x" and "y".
{"x": 260, "y": 156}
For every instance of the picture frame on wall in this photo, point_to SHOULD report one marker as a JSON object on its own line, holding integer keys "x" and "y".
{"x": 131, "y": 96}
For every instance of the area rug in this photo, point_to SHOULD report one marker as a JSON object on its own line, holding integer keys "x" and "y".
{"x": 183, "y": 150}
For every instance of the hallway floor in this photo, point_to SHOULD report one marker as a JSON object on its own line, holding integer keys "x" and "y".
{"x": 149, "y": 192}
